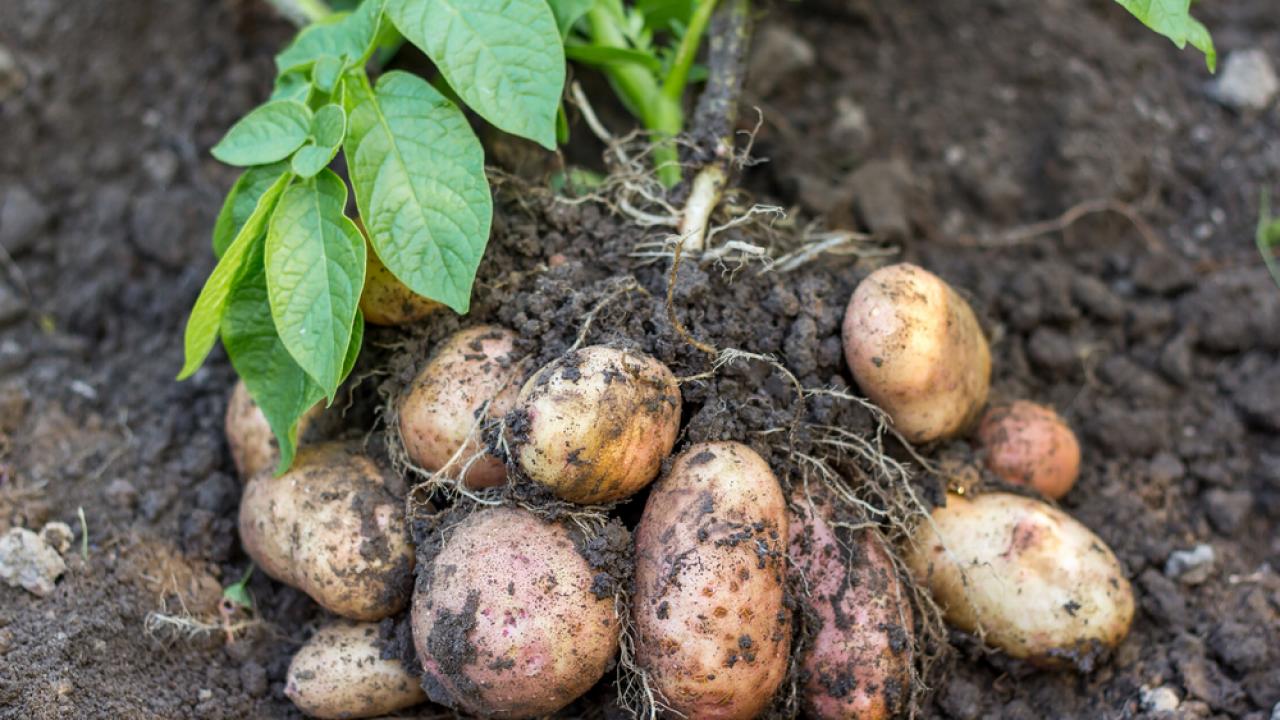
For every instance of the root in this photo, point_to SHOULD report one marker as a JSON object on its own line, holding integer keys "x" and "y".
{"x": 1063, "y": 222}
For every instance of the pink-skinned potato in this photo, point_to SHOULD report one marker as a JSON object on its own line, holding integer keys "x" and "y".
{"x": 1039, "y": 585}
{"x": 713, "y": 632}
{"x": 857, "y": 662}
{"x": 330, "y": 528}
{"x": 594, "y": 425}
{"x": 253, "y": 445}
{"x": 339, "y": 673}
{"x": 1030, "y": 444}
{"x": 916, "y": 350}
{"x": 505, "y": 619}
{"x": 387, "y": 301}
{"x": 439, "y": 413}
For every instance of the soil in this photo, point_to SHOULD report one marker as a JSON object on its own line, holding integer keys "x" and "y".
{"x": 1157, "y": 340}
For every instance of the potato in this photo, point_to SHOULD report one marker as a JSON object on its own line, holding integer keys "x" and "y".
{"x": 438, "y": 412}
{"x": 1039, "y": 584}
{"x": 505, "y": 621}
{"x": 339, "y": 673}
{"x": 858, "y": 662}
{"x": 387, "y": 301}
{"x": 595, "y": 425}
{"x": 916, "y": 350}
{"x": 330, "y": 528}
{"x": 712, "y": 631}
{"x": 253, "y": 445}
{"x": 1029, "y": 444}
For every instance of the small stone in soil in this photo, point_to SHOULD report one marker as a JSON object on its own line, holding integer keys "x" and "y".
{"x": 58, "y": 536}
{"x": 27, "y": 561}
{"x": 1191, "y": 567}
{"x": 1227, "y": 508}
{"x": 22, "y": 218}
{"x": 1247, "y": 82}
{"x": 1166, "y": 469}
{"x": 1161, "y": 699}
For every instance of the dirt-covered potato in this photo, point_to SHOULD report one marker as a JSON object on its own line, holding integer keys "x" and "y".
{"x": 712, "y": 630}
{"x": 339, "y": 673}
{"x": 1029, "y": 444}
{"x": 330, "y": 528}
{"x": 917, "y": 351}
{"x": 253, "y": 445}
{"x": 439, "y": 411}
{"x": 858, "y": 624}
{"x": 595, "y": 425}
{"x": 387, "y": 301}
{"x": 505, "y": 620}
{"x": 1040, "y": 585}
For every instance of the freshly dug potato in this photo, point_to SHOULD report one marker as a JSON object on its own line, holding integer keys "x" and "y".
{"x": 339, "y": 673}
{"x": 330, "y": 528}
{"x": 1039, "y": 584}
{"x": 858, "y": 663}
{"x": 712, "y": 631}
{"x": 253, "y": 445}
{"x": 917, "y": 351}
{"x": 438, "y": 412}
{"x": 505, "y": 621}
{"x": 595, "y": 425}
{"x": 1029, "y": 444}
{"x": 387, "y": 301}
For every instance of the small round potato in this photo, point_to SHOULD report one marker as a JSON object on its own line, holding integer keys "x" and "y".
{"x": 330, "y": 528}
{"x": 595, "y": 425}
{"x": 1040, "y": 585}
{"x": 387, "y": 301}
{"x": 917, "y": 351}
{"x": 505, "y": 620}
{"x": 339, "y": 673}
{"x": 712, "y": 630}
{"x": 253, "y": 445}
{"x": 858, "y": 662}
{"x": 1029, "y": 444}
{"x": 438, "y": 414}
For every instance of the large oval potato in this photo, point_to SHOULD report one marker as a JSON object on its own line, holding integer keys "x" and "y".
{"x": 917, "y": 351}
{"x": 438, "y": 413}
{"x": 712, "y": 630}
{"x": 595, "y": 425}
{"x": 1030, "y": 444}
{"x": 330, "y": 528}
{"x": 1038, "y": 584}
{"x": 505, "y": 621}
{"x": 339, "y": 673}
{"x": 387, "y": 301}
{"x": 858, "y": 662}
{"x": 253, "y": 445}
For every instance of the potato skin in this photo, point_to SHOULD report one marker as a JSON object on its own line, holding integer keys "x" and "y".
{"x": 917, "y": 351}
{"x": 505, "y": 621}
{"x": 330, "y": 528}
{"x": 339, "y": 673}
{"x": 438, "y": 411}
{"x": 1041, "y": 585}
{"x": 712, "y": 629}
{"x": 387, "y": 301}
{"x": 1029, "y": 444}
{"x": 253, "y": 445}
{"x": 595, "y": 425}
{"x": 858, "y": 662}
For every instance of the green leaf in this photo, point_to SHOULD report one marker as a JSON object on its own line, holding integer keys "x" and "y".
{"x": 418, "y": 173}
{"x": 279, "y": 386}
{"x": 504, "y": 58}
{"x": 666, "y": 14}
{"x": 1268, "y": 237}
{"x": 238, "y": 593}
{"x": 315, "y": 260}
{"x": 292, "y": 86}
{"x": 206, "y": 316}
{"x": 311, "y": 159}
{"x": 568, "y": 12}
{"x": 327, "y": 128}
{"x": 269, "y": 133}
{"x": 346, "y": 36}
{"x": 326, "y": 71}
{"x": 604, "y": 56}
{"x": 1172, "y": 19}
{"x": 241, "y": 201}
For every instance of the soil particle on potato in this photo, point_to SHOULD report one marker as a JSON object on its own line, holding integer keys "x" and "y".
{"x": 453, "y": 651}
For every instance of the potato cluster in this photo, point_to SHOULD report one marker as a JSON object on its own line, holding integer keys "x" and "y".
{"x": 741, "y": 593}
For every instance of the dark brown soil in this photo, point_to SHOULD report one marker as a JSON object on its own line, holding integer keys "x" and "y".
{"x": 939, "y": 125}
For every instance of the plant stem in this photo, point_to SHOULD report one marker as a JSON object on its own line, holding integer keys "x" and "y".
{"x": 687, "y": 52}
{"x": 302, "y": 12}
